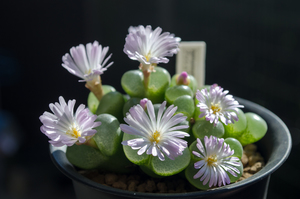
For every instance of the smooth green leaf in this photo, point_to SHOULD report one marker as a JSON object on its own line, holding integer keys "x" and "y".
{"x": 85, "y": 157}
{"x": 203, "y": 128}
{"x": 109, "y": 135}
{"x": 172, "y": 93}
{"x": 147, "y": 170}
{"x": 236, "y": 146}
{"x": 112, "y": 103}
{"x": 197, "y": 111}
{"x": 193, "y": 147}
{"x": 236, "y": 129}
{"x": 93, "y": 102}
{"x": 185, "y": 105}
{"x": 190, "y": 171}
{"x": 132, "y": 154}
{"x": 133, "y": 83}
{"x": 240, "y": 168}
{"x": 170, "y": 167}
{"x": 130, "y": 103}
{"x": 158, "y": 83}
{"x": 256, "y": 129}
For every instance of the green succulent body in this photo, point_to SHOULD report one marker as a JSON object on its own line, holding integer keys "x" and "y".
{"x": 237, "y": 128}
{"x": 255, "y": 130}
{"x": 108, "y": 153}
{"x": 93, "y": 102}
{"x": 172, "y": 93}
{"x": 133, "y": 84}
{"x": 112, "y": 103}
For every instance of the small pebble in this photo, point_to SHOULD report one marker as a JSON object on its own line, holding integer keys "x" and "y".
{"x": 256, "y": 167}
{"x": 119, "y": 185}
{"x": 123, "y": 178}
{"x": 150, "y": 186}
{"x": 247, "y": 169}
{"x": 141, "y": 188}
{"x": 244, "y": 159}
{"x": 254, "y": 158}
{"x": 162, "y": 187}
{"x": 132, "y": 185}
{"x": 110, "y": 178}
{"x": 247, "y": 175}
{"x": 98, "y": 178}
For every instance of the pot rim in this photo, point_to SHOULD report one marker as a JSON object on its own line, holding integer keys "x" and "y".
{"x": 61, "y": 162}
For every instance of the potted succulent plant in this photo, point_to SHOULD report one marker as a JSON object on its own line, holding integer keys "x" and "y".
{"x": 164, "y": 126}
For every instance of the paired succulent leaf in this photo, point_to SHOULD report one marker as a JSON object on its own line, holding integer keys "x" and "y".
{"x": 203, "y": 128}
{"x": 92, "y": 100}
{"x": 185, "y": 105}
{"x": 256, "y": 129}
{"x": 249, "y": 129}
{"x": 133, "y": 84}
{"x": 112, "y": 103}
{"x": 172, "y": 93}
{"x": 109, "y": 153}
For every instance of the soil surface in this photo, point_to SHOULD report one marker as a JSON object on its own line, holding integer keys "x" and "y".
{"x": 140, "y": 182}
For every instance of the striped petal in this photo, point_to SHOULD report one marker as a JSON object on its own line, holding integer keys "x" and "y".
{"x": 216, "y": 105}
{"x": 215, "y": 162}
{"x": 160, "y": 133}
{"x": 63, "y": 127}
{"x": 87, "y": 62}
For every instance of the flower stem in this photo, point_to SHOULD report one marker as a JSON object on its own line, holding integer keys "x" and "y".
{"x": 91, "y": 142}
{"x": 96, "y": 87}
{"x": 146, "y": 78}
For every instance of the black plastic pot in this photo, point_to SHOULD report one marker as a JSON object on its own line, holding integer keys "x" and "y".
{"x": 274, "y": 147}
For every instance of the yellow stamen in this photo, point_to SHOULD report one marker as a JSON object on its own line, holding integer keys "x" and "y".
{"x": 215, "y": 108}
{"x": 88, "y": 72}
{"x": 211, "y": 160}
{"x": 155, "y": 137}
{"x": 148, "y": 56}
{"x": 74, "y": 132}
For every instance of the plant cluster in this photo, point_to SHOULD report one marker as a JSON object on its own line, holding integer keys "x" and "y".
{"x": 164, "y": 125}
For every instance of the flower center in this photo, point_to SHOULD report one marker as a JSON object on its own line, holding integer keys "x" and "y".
{"x": 211, "y": 160}
{"x": 88, "y": 72}
{"x": 155, "y": 137}
{"x": 216, "y": 108}
{"x": 148, "y": 56}
{"x": 74, "y": 132}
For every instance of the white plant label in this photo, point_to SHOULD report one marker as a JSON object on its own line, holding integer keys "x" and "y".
{"x": 191, "y": 59}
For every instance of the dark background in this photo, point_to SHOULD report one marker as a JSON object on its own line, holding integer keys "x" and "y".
{"x": 252, "y": 50}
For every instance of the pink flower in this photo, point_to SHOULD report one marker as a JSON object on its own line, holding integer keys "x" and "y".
{"x": 215, "y": 104}
{"x": 158, "y": 135}
{"x": 216, "y": 161}
{"x": 86, "y": 63}
{"x": 63, "y": 127}
{"x": 149, "y": 46}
